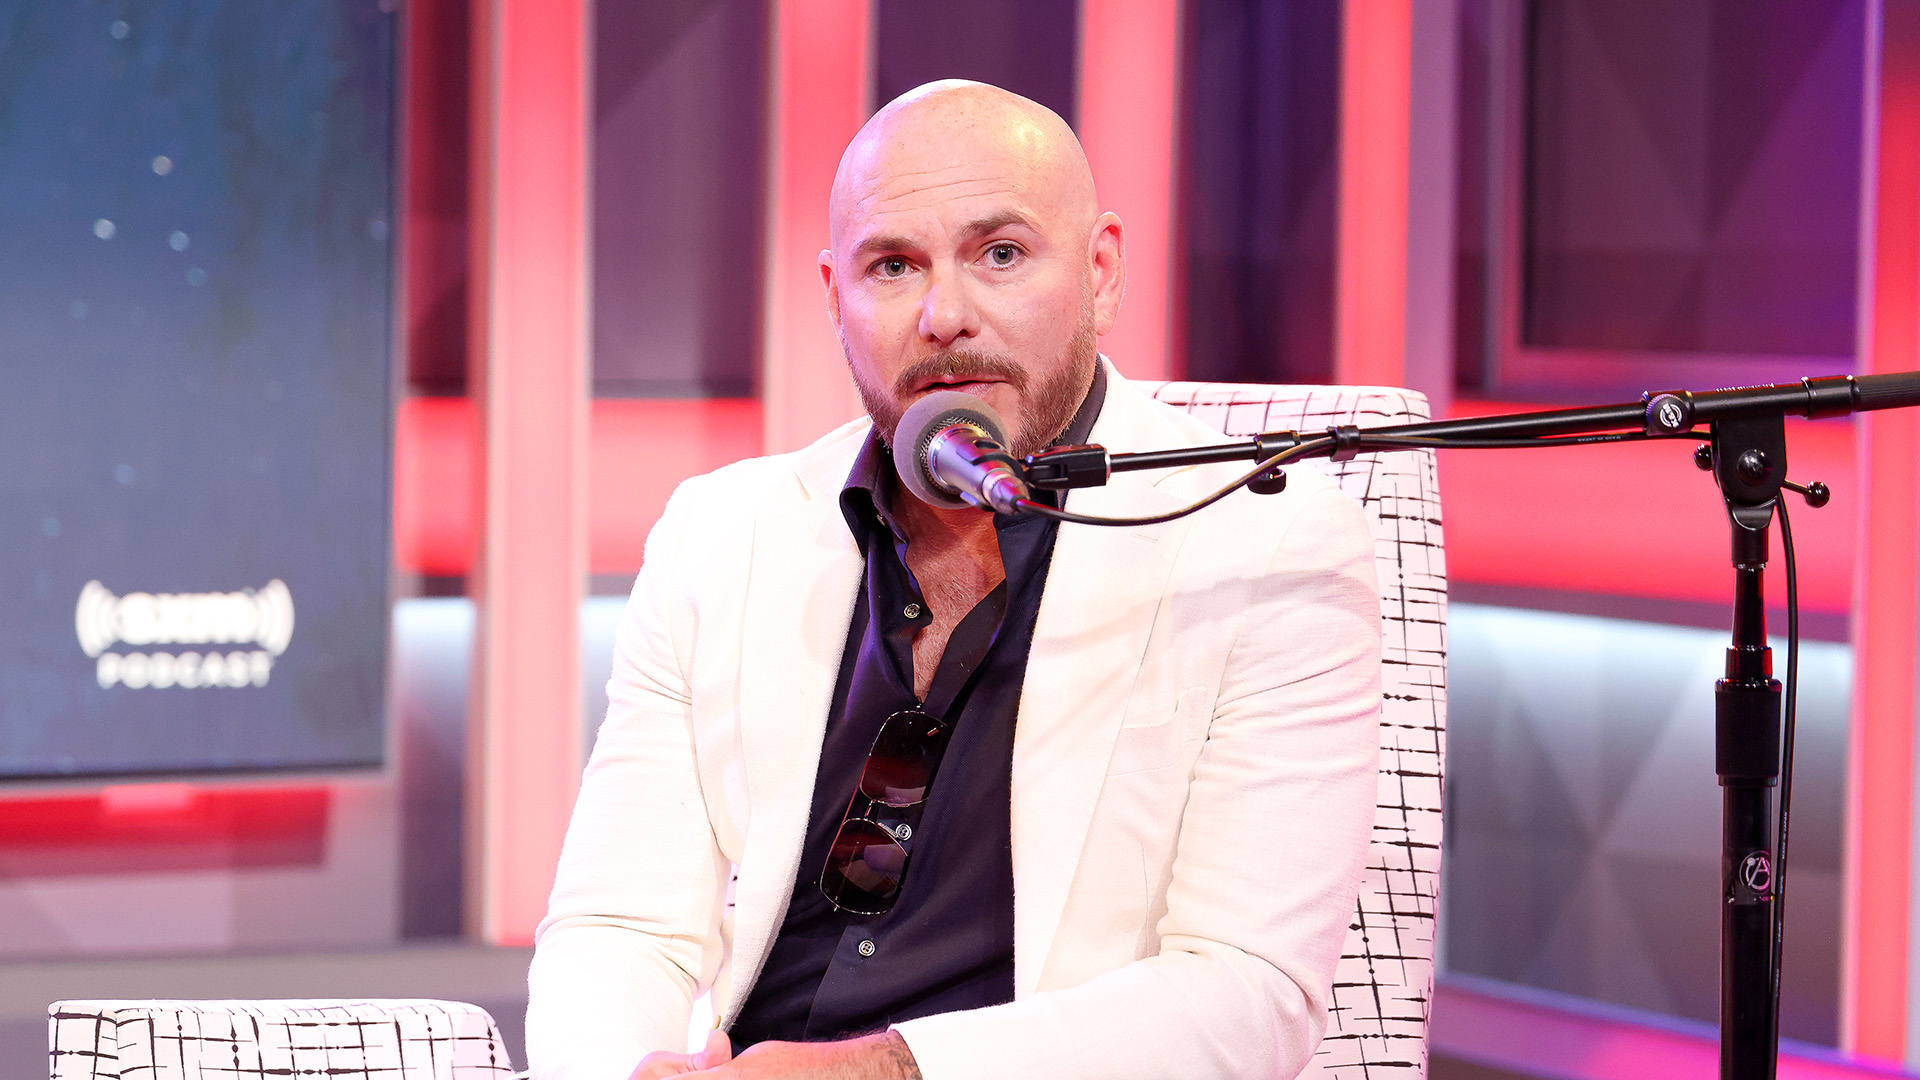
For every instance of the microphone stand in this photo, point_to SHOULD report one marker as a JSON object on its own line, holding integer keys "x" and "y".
{"x": 1746, "y": 450}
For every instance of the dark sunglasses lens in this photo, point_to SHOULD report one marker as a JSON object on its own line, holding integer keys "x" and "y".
{"x": 864, "y": 869}
{"x": 903, "y": 759}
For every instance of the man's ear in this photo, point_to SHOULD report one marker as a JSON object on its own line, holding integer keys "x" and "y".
{"x": 833, "y": 289}
{"x": 1107, "y": 253}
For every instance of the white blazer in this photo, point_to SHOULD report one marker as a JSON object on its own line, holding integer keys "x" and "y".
{"x": 1194, "y": 770}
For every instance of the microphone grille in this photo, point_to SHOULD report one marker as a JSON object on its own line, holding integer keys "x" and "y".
{"x": 921, "y": 422}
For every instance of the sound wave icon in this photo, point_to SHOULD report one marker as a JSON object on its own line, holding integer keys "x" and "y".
{"x": 276, "y": 616}
{"x": 93, "y": 619}
{"x": 263, "y": 617}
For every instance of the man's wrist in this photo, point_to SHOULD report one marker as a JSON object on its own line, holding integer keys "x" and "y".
{"x": 882, "y": 1055}
{"x": 894, "y": 1057}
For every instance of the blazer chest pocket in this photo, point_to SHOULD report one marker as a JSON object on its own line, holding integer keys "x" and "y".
{"x": 1156, "y": 745}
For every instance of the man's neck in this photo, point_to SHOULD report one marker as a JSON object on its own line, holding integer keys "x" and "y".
{"x": 968, "y": 527}
{"x": 954, "y": 555}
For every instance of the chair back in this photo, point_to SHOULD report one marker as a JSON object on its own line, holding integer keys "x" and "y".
{"x": 222, "y": 1040}
{"x": 1378, "y": 1022}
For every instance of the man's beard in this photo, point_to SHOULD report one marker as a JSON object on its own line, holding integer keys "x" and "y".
{"x": 1047, "y": 406}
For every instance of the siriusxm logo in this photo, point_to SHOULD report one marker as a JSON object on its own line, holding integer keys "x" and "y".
{"x": 242, "y": 633}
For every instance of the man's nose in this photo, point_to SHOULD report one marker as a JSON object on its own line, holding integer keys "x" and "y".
{"x": 947, "y": 310}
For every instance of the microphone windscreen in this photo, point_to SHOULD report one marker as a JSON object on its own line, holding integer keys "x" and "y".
{"x": 920, "y": 423}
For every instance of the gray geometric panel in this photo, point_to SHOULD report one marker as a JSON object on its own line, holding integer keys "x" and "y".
{"x": 1583, "y": 838}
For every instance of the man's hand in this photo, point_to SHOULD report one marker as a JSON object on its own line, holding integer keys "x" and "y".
{"x": 719, "y": 1051}
{"x": 882, "y": 1056}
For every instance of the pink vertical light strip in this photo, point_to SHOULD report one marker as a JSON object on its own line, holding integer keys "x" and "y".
{"x": 530, "y": 374}
{"x": 1878, "y": 866}
{"x": 819, "y": 97}
{"x": 1129, "y": 90}
{"x": 1370, "y": 279}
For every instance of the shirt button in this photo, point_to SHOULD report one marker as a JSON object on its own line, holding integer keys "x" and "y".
{"x": 912, "y": 612}
{"x": 866, "y": 948}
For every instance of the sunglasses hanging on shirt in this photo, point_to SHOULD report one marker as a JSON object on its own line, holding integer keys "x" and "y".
{"x": 868, "y": 857}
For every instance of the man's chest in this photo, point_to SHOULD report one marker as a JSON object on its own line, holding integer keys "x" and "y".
{"x": 951, "y": 586}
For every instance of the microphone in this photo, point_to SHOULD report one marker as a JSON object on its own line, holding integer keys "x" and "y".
{"x": 950, "y": 451}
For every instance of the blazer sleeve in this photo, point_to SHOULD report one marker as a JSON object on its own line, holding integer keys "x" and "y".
{"x": 1269, "y": 859}
{"x": 632, "y": 931}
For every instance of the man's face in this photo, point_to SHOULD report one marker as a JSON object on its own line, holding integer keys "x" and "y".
{"x": 960, "y": 264}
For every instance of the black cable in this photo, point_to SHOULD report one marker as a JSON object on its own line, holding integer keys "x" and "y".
{"x": 1274, "y": 462}
{"x": 1367, "y": 444}
{"x": 1786, "y": 761}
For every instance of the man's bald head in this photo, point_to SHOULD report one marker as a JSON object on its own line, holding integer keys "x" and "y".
{"x": 969, "y": 253}
{"x": 954, "y": 121}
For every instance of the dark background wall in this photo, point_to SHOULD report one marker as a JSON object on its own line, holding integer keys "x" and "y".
{"x": 679, "y": 143}
{"x": 1260, "y": 93}
{"x": 1027, "y": 47}
{"x": 1692, "y": 176}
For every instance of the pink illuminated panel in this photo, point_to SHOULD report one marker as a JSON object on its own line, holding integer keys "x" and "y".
{"x": 530, "y": 374}
{"x": 1636, "y": 519}
{"x": 820, "y": 101}
{"x": 1370, "y": 279}
{"x": 1127, "y": 103}
{"x": 638, "y": 452}
{"x": 1875, "y": 980}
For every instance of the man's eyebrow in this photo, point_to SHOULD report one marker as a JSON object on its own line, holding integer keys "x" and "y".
{"x": 883, "y": 242}
{"x": 993, "y": 223}
{"x": 985, "y": 226}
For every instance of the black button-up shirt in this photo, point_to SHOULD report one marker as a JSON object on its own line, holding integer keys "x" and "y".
{"x": 947, "y": 942}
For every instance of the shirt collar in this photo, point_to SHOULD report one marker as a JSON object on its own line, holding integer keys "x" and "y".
{"x": 872, "y": 484}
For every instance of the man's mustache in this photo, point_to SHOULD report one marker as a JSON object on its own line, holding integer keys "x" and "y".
{"x": 959, "y": 365}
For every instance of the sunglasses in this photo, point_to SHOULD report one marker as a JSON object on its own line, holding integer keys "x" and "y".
{"x": 868, "y": 859}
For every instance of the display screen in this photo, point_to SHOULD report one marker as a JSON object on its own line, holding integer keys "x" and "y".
{"x": 196, "y": 266}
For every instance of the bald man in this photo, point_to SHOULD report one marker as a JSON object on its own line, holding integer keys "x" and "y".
{"x": 912, "y": 791}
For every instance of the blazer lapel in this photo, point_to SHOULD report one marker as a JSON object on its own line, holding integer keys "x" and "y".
{"x": 803, "y": 580}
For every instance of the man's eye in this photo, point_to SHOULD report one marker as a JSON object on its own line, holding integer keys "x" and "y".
{"x": 1002, "y": 254}
{"x": 890, "y": 267}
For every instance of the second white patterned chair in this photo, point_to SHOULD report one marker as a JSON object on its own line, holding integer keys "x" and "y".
{"x": 232, "y": 1040}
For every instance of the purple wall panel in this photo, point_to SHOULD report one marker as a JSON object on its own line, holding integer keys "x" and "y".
{"x": 679, "y": 145}
{"x": 1692, "y": 176}
{"x": 1259, "y": 116}
{"x": 1027, "y": 46}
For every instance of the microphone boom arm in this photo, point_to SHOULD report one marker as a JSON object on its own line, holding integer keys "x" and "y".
{"x": 1668, "y": 414}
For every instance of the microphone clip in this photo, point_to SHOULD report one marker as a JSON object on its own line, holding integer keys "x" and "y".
{"x": 1059, "y": 468}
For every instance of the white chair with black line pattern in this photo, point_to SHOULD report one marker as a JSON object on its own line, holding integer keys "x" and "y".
{"x": 1384, "y": 985}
